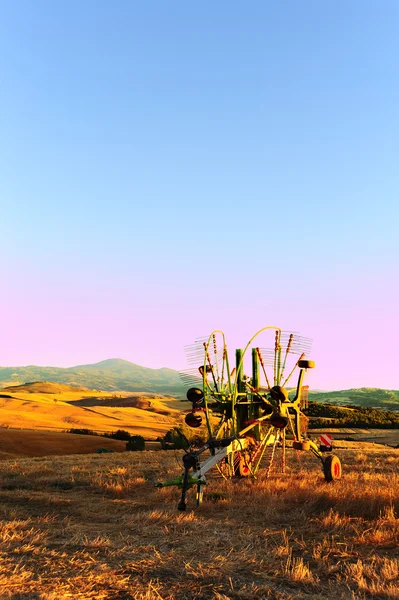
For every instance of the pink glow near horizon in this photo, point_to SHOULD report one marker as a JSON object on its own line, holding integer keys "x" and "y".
{"x": 354, "y": 343}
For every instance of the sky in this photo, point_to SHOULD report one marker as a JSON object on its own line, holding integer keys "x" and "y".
{"x": 171, "y": 168}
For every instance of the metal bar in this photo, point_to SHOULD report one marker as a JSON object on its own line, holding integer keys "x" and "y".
{"x": 269, "y": 468}
{"x": 283, "y": 453}
{"x": 275, "y": 357}
{"x": 265, "y": 444}
{"x": 210, "y": 366}
{"x": 295, "y": 366}
{"x": 287, "y": 350}
{"x": 263, "y": 367}
{"x": 252, "y": 425}
{"x": 218, "y": 455}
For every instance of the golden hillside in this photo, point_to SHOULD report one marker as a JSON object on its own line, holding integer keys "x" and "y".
{"x": 53, "y": 406}
{"x": 19, "y": 443}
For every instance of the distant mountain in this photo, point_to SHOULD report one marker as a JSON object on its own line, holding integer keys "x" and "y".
{"x": 116, "y": 374}
{"x": 366, "y": 397}
{"x": 108, "y": 375}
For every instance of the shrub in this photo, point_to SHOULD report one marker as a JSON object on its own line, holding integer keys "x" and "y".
{"x": 174, "y": 439}
{"x": 136, "y": 442}
{"x": 181, "y": 438}
{"x": 120, "y": 434}
{"x": 82, "y": 431}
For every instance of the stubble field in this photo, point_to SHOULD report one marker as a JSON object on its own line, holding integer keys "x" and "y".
{"x": 95, "y": 527}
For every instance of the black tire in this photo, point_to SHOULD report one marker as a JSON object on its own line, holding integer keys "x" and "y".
{"x": 332, "y": 468}
{"x": 196, "y": 396}
{"x": 306, "y": 364}
{"x": 301, "y": 445}
{"x": 243, "y": 467}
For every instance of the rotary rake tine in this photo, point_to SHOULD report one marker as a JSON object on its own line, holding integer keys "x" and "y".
{"x": 262, "y": 364}
{"x": 223, "y": 361}
{"x": 283, "y": 450}
{"x": 208, "y": 358}
{"x": 215, "y": 352}
{"x": 269, "y": 466}
{"x": 293, "y": 369}
{"x": 287, "y": 350}
{"x": 275, "y": 368}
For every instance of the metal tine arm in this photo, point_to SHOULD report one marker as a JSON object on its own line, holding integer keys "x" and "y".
{"x": 278, "y": 358}
{"x": 275, "y": 360}
{"x": 287, "y": 350}
{"x": 295, "y": 366}
{"x": 215, "y": 352}
{"x": 224, "y": 357}
{"x": 300, "y": 344}
{"x": 262, "y": 364}
{"x": 211, "y": 368}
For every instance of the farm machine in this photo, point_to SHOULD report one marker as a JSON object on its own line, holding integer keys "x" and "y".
{"x": 249, "y": 419}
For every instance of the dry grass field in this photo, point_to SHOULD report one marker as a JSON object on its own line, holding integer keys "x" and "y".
{"x": 95, "y": 527}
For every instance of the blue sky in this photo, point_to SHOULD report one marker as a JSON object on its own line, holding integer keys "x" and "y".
{"x": 169, "y": 168}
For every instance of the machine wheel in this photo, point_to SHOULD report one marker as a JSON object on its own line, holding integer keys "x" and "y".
{"x": 332, "y": 468}
{"x": 200, "y": 494}
{"x": 301, "y": 445}
{"x": 306, "y": 364}
{"x": 243, "y": 468}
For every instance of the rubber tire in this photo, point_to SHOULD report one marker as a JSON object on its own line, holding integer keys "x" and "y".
{"x": 243, "y": 467}
{"x": 301, "y": 445}
{"x": 332, "y": 468}
{"x": 196, "y": 396}
{"x": 306, "y": 364}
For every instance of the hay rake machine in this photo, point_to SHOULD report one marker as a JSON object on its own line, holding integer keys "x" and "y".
{"x": 248, "y": 419}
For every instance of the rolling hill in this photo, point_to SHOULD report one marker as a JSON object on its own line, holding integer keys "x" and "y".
{"x": 44, "y": 409}
{"x": 115, "y": 374}
{"x": 19, "y": 443}
{"x": 109, "y": 375}
{"x": 52, "y": 406}
{"x": 366, "y": 397}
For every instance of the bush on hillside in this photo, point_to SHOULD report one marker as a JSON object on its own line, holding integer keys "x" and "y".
{"x": 120, "y": 434}
{"x": 351, "y": 416}
{"x": 181, "y": 438}
{"x": 136, "y": 442}
{"x": 82, "y": 431}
